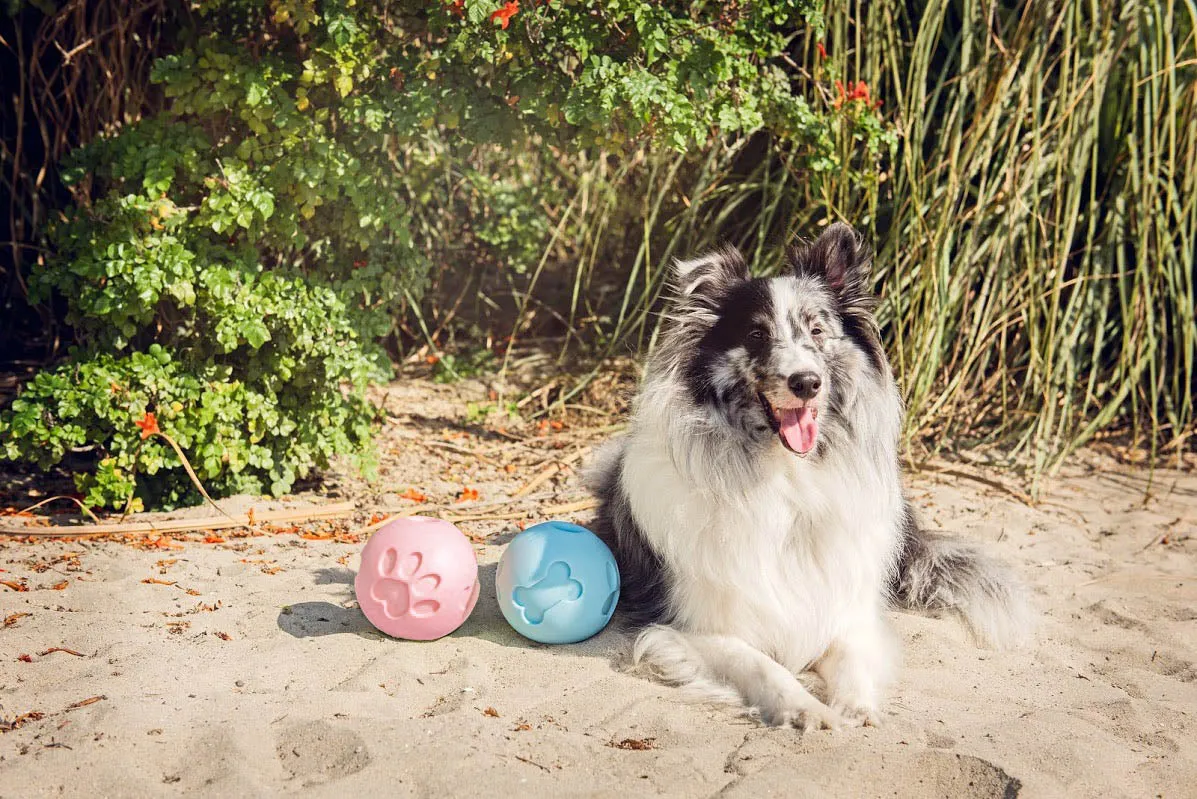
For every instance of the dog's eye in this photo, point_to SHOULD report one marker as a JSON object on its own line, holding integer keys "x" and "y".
{"x": 758, "y": 334}
{"x": 816, "y": 331}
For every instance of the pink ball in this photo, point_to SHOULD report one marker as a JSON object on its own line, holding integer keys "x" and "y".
{"x": 419, "y": 578}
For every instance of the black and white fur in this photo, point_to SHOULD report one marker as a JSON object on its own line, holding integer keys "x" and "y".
{"x": 746, "y": 563}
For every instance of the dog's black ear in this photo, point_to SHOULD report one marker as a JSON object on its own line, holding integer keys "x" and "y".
{"x": 840, "y": 258}
{"x": 706, "y": 280}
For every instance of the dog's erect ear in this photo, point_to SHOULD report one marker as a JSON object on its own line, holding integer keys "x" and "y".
{"x": 840, "y": 258}
{"x": 708, "y": 279}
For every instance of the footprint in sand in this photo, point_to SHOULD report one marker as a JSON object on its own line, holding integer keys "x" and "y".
{"x": 316, "y": 751}
{"x": 855, "y": 773}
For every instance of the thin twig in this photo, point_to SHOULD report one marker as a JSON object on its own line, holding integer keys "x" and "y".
{"x": 185, "y": 525}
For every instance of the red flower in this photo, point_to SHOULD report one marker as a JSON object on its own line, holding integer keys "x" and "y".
{"x": 148, "y": 425}
{"x": 822, "y": 50}
{"x": 503, "y": 15}
{"x": 457, "y": 8}
{"x": 855, "y": 91}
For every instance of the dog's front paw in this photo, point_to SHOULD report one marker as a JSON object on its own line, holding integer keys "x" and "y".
{"x": 857, "y": 714}
{"x": 803, "y": 712}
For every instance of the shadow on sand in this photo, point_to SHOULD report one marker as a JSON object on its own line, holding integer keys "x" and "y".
{"x": 486, "y": 623}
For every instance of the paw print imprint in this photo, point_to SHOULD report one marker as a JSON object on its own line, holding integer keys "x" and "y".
{"x": 402, "y": 588}
{"x": 554, "y": 588}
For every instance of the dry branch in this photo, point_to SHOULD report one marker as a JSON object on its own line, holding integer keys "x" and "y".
{"x": 185, "y": 525}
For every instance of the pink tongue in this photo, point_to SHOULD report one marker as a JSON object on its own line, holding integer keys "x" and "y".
{"x": 799, "y": 428}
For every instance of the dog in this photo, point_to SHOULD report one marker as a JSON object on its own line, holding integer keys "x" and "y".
{"x": 755, "y": 506}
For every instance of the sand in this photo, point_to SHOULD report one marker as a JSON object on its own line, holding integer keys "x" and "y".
{"x": 255, "y": 674}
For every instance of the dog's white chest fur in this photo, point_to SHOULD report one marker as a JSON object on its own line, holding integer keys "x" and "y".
{"x": 784, "y": 556}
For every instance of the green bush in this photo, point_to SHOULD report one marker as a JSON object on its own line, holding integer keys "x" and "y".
{"x": 240, "y": 254}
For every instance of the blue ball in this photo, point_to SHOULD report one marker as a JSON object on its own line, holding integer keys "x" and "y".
{"x": 557, "y": 583}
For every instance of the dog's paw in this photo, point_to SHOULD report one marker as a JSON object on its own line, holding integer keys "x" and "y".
{"x": 805, "y": 713}
{"x": 857, "y": 714}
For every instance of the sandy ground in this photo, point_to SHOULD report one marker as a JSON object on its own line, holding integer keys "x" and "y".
{"x": 247, "y": 669}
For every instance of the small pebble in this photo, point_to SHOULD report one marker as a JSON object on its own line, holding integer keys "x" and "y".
{"x": 240, "y": 683}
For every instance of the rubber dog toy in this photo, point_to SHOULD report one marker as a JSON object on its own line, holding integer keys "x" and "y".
{"x": 557, "y": 583}
{"x": 418, "y": 579}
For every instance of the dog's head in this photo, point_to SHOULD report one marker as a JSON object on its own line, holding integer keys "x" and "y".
{"x": 775, "y": 357}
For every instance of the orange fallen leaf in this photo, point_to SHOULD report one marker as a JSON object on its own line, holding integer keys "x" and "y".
{"x": 11, "y": 619}
{"x": 224, "y": 636}
{"x": 156, "y": 581}
{"x": 15, "y": 586}
{"x": 161, "y": 542}
{"x": 413, "y": 495}
{"x": 490, "y": 711}
{"x": 634, "y": 744}
{"x": 213, "y": 539}
{"x": 61, "y": 586}
{"x": 316, "y": 536}
{"x": 25, "y": 658}
{"x": 192, "y": 592}
{"x": 509, "y": 468}
{"x": 467, "y": 494}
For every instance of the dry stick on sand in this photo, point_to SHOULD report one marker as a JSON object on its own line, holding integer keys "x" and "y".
{"x": 48, "y": 500}
{"x": 558, "y": 465}
{"x": 188, "y": 525}
{"x": 1014, "y": 492}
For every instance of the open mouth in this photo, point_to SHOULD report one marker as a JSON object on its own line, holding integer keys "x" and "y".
{"x": 797, "y": 426}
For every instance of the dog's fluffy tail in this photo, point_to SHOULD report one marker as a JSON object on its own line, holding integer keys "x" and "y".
{"x": 938, "y": 574}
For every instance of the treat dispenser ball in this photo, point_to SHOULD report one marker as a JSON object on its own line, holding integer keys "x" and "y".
{"x": 418, "y": 580}
{"x": 557, "y": 583}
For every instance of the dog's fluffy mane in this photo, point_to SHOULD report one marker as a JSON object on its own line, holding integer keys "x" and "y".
{"x": 742, "y": 563}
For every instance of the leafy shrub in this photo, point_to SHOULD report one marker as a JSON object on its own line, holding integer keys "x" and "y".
{"x": 236, "y": 257}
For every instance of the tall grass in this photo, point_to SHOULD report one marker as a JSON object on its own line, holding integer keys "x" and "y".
{"x": 1036, "y": 226}
{"x": 1039, "y": 267}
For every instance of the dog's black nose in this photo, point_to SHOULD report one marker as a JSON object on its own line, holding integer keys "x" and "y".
{"x": 804, "y": 384}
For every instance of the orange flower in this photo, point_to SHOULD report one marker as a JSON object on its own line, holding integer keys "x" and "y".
{"x": 505, "y": 13}
{"x": 148, "y": 425}
{"x": 822, "y": 50}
